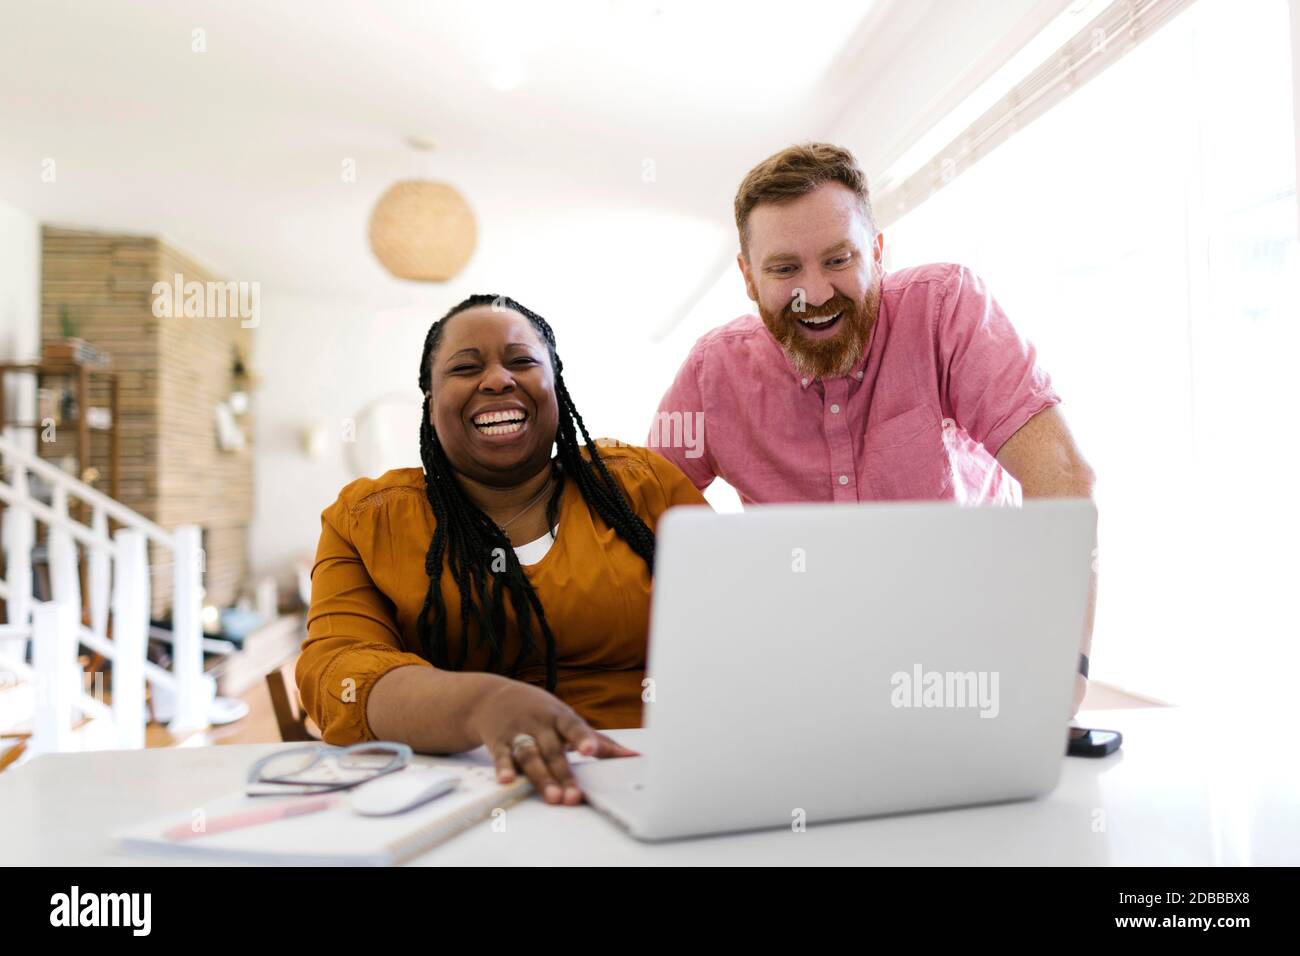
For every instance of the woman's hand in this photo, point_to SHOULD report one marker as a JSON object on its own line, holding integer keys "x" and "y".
{"x": 506, "y": 717}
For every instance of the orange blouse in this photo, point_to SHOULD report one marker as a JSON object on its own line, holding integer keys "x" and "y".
{"x": 369, "y": 584}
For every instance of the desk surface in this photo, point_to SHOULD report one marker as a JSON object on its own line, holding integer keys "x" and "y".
{"x": 1186, "y": 789}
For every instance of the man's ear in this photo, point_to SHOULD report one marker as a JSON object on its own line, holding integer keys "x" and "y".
{"x": 749, "y": 282}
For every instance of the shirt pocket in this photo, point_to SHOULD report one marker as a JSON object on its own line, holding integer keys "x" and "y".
{"x": 905, "y": 457}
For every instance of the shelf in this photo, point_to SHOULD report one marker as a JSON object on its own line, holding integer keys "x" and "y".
{"x": 72, "y": 423}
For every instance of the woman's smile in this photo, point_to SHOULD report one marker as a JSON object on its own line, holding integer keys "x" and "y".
{"x": 500, "y": 424}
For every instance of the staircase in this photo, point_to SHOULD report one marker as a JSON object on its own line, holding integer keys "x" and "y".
{"x": 50, "y": 691}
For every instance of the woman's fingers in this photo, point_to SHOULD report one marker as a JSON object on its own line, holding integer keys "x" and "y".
{"x": 553, "y": 753}
{"x": 609, "y": 747}
{"x": 577, "y": 733}
{"x": 505, "y": 763}
{"x": 528, "y": 755}
{"x": 540, "y": 754}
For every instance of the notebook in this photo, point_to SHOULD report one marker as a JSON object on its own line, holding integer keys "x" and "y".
{"x": 337, "y": 836}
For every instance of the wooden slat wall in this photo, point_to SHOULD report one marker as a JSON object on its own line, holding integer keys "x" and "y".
{"x": 173, "y": 372}
{"x": 105, "y": 281}
{"x": 199, "y": 483}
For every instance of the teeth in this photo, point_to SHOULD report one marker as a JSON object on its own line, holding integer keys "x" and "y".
{"x": 821, "y": 320}
{"x": 492, "y": 418}
{"x": 507, "y": 429}
{"x": 503, "y": 422}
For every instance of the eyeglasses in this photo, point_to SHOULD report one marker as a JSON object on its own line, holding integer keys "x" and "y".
{"x": 321, "y": 768}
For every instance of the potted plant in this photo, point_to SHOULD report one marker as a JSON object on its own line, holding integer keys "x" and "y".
{"x": 72, "y": 348}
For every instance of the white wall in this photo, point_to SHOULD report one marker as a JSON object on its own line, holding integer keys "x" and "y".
{"x": 20, "y": 324}
{"x": 1295, "y": 87}
{"x": 323, "y": 361}
{"x": 316, "y": 362}
{"x": 609, "y": 277}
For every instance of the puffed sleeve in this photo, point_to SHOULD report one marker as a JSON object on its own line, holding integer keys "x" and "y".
{"x": 352, "y": 637}
{"x": 669, "y": 486}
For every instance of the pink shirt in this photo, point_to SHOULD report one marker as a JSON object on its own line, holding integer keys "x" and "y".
{"x": 945, "y": 381}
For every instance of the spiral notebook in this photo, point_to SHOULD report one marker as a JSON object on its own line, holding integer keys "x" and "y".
{"x": 336, "y": 836}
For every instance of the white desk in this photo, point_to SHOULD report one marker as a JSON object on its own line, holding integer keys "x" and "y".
{"x": 1175, "y": 794}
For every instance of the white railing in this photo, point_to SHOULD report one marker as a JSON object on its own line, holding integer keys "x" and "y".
{"x": 117, "y": 578}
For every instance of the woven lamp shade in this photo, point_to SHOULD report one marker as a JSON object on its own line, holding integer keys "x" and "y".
{"x": 423, "y": 230}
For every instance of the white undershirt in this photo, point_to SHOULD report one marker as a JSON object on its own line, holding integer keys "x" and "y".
{"x": 534, "y": 551}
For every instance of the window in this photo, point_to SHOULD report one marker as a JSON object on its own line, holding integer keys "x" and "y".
{"x": 1142, "y": 234}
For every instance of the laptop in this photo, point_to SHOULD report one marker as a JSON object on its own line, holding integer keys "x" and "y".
{"x": 820, "y": 662}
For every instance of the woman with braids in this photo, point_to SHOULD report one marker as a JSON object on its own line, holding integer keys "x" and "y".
{"x": 499, "y": 595}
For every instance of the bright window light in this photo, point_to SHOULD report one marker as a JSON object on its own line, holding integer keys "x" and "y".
{"x": 1143, "y": 235}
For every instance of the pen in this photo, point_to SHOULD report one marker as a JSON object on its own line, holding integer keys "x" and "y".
{"x": 248, "y": 818}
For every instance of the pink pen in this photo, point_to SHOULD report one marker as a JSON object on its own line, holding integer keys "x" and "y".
{"x": 249, "y": 818}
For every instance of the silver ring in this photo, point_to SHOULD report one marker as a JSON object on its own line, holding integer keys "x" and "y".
{"x": 521, "y": 740}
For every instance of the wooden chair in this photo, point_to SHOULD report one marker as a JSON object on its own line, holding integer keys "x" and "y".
{"x": 11, "y": 750}
{"x": 293, "y": 721}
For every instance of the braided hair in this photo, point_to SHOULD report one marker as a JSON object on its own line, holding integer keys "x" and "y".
{"x": 466, "y": 539}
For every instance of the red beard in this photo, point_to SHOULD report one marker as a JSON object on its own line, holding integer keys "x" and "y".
{"x": 835, "y": 355}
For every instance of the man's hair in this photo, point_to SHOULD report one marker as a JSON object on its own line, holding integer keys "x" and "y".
{"x": 796, "y": 171}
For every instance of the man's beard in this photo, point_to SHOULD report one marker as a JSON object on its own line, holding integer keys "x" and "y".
{"x": 834, "y": 356}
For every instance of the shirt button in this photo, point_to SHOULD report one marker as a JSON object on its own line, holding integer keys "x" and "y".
{"x": 804, "y": 381}
{"x": 857, "y": 375}
{"x": 949, "y": 424}
{"x": 835, "y": 409}
{"x": 844, "y": 479}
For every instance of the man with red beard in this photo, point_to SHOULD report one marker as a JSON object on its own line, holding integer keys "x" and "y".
{"x": 856, "y": 385}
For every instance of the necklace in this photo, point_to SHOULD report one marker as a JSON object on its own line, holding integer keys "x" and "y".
{"x": 529, "y": 507}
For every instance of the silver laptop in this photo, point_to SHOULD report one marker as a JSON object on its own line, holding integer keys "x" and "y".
{"x": 816, "y": 662}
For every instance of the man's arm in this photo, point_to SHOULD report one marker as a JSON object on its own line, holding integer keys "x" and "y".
{"x": 678, "y": 429}
{"x": 1043, "y": 457}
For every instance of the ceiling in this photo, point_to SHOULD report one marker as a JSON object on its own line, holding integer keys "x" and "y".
{"x": 573, "y": 129}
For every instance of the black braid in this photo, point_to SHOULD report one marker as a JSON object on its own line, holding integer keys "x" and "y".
{"x": 465, "y": 539}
